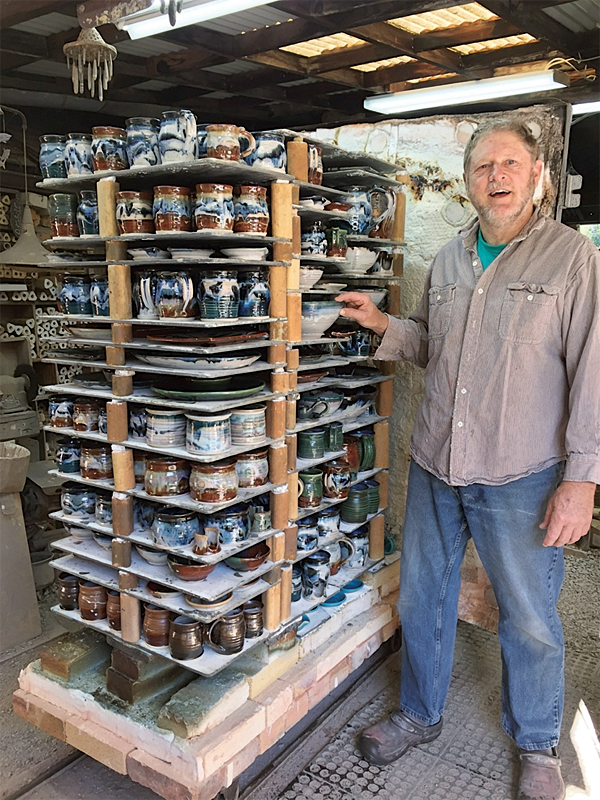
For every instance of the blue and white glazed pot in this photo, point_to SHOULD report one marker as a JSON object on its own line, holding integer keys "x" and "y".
{"x": 87, "y": 214}
{"x": 255, "y": 295}
{"x": 219, "y": 295}
{"x": 250, "y": 210}
{"x": 270, "y": 152}
{"x": 172, "y": 209}
{"x": 135, "y": 212}
{"x": 174, "y": 527}
{"x": 208, "y": 434}
{"x": 315, "y": 574}
{"x": 165, "y": 428}
{"x": 77, "y": 501}
{"x": 232, "y": 524}
{"x": 177, "y": 139}
{"x": 68, "y": 452}
{"x": 78, "y": 154}
{"x": 214, "y": 206}
{"x": 99, "y": 296}
{"x": 109, "y": 148}
{"x": 175, "y": 294}
{"x": 137, "y": 422}
{"x": 74, "y": 295}
{"x": 52, "y": 156}
{"x": 142, "y": 141}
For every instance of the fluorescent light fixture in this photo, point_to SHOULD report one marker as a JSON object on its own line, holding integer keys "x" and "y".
{"x": 586, "y": 108}
{"x": 150, "y": 21}
{"x": 468, "y": 92}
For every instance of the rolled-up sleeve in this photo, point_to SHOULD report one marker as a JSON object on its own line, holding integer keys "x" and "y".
{"x": 406, "y": 339}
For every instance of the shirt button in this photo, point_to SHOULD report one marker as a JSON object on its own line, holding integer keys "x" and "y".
{"x": 530, "y": 297}
{"x": 474, "y": 263}
{"x": 479, "y": 291}
{"x": 463, "y": 391}
{"x": 439, "y": 297}
{"x": 460, "y": 424}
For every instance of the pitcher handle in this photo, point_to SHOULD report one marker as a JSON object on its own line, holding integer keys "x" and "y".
{"x": 244, "y": 134}
{"x": 184, "y": 280}
{"x": 351, "y": 548}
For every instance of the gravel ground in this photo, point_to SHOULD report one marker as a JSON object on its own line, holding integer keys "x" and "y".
{"x": 579, "y": 603}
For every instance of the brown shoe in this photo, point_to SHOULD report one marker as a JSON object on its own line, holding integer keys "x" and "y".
{"x": 389, "y": 739}
{"x": 540, "y": 777}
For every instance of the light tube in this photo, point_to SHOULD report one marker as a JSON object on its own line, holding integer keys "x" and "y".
{"x": 586, "y": 108}
{"x": 151, "y": 21}
{"x": 468, "y": 92}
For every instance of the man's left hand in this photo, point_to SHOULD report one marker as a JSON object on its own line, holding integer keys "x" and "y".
{"x": 569, "y": 513}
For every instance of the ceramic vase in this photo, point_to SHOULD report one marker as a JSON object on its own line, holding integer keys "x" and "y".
{"x": 142, "y": 142}
{"x": 109, "y": 148}
{"x": 214, "y": 207}
{"x": 177, "y": 136}
{"x": 52, "y": 156}
{"x": 78, "y": 154}
{"x": 219, "y": 295}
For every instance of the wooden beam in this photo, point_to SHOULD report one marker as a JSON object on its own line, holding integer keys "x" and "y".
{"x": 24, "y": 44}
{"x": 182, "y": 61}
{"x": 468, "y": 33}
{"x": 349, "y": 56}
{"x": 290, "y": 62}
{"x": 12, "y": 12}
{"x": 402, "y": 72}
{"x": 517, "y": 54}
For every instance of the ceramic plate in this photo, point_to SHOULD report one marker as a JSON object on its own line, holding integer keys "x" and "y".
{"x": 353, "y": 586}
{"x": 90, "y": 333}
{"x": 204, "y": 340}
{"x": 311, "y": 377}
{"x": 189, "y": 254}
{"x": 335, "y": 600}
{"x": 329, "y": 287}
{"x": 201, "y": 363}
{"x": 241, "y": 388}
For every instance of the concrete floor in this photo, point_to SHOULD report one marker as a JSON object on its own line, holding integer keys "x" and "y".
{"x": 472, "y": 760}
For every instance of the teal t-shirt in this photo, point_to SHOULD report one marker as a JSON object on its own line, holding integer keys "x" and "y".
{"x": 487, "y": 252}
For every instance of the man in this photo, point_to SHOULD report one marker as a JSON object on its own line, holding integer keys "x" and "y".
{"x": 506, "y": 445}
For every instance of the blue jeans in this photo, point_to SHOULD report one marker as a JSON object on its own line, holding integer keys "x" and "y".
{"x": 526, "y": 578}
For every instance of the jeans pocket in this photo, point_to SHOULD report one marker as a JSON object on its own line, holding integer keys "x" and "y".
{"x": 526, "y": 311}
{"x": 441, "y": 300}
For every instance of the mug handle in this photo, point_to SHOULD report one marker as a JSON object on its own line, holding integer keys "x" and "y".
{"x": 215, "y": 646}
{"x": 323, "y": 403}
{"x": 300, "y": 486}
{"x": 351, "y": 548}
{"x": 184, "y": 280}
{"x": 244, "y": 134}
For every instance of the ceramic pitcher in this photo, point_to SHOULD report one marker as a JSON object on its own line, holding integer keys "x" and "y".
{"x": 142, "y": 141}
{"x": 362, "y": 200}
{"x": 223, "y": 141}
{"x": 144, "y": 295}
{"x": 269, "y": 152}
{"x": 175, "y": 294}
{"x": 177, "y": 139}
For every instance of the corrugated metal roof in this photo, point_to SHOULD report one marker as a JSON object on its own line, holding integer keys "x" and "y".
{"x": 316, "y": 47}
{"x": 53, "y": 69}
{"x": 47, "y": 24}
{"x": 582, "y": 15}
{"x": 386, "y": 62}
{"x": 493, "y": 44}
{"x": 251, "y": 20}
{"x": 234, "y": 67}
{"x": 145, "y": 48}
{"x": 154, "y": 85}
{"x": 432, "y": 77}
{"x": 444, "y": 18}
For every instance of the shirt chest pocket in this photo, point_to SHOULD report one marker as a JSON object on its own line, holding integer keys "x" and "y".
{"x": 526, "y": 312}
{"x": 441, "y": 300}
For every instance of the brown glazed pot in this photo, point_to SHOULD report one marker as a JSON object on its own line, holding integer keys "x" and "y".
{"x": 226, "y": 635}
{"x": 113, "y": 610}
{"x": 352, "y": 456}
{"x": 68, "y": 591}
{"x": 156, "y": 625}
{"x": 336, "y": 478}
{"x": 92, "y": 600}
{"x": 253, "y": 615}
{"x": 185, "y": 638}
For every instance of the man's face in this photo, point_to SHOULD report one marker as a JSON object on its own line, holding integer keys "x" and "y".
{"x": 501, "y": 177}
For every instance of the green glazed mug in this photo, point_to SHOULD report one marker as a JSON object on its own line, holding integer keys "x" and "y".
{"x": 311, "y": 443}
{"x": 310, "y": 488}
{"x": 335, "y": 437}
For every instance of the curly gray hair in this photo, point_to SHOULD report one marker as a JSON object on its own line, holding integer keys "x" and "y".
{"x": 512, "y": 124}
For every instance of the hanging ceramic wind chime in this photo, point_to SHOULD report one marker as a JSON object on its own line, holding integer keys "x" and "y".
{"x": 90, "y": 60}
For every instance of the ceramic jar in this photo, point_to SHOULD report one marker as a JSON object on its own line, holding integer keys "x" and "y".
{"x": 177, "y": 136}
{"x": 252, "y": 469}
{"x": 142, "y": 142}
{"x": 315, "y": 164}
{"x": 175, "y": 295}
{"x": 311, "y": 443}
{"x": 340, "y": 553}
{"x": 63, "y": 214}
{"x": 145, "y": 511}
{"x": 77, "y": 501}
{"x": 185, "y": 638}
{"x": 68, "y": 591}
{"x": 269, "y": 153}
{"x": 360, "y": 539}
{"x": 103, "y": 513}
{"x": 87, "y": 214}
{"x": 254, "y": 293}
{"x": 208, "y": 434}
{"x": 174, "y": 527}
{"x": 366, "y": 447}
{"x": 352, "y": 456}
{"x": 232, "y": 524}
{"x": 166, "y": 477}
{"x": 78, "y": 154}
{"x": 113, "y": 610}
{"x": 308, "y": 535}
{"x": 85, "y": 415}
{"x": 253, "y": 617}
{"x": 310, "y": 488}
{"x": 137, "y": 422}
{"x": 96, "y": 462}
{"x": 144, "y": 294}
{"x": 250, "y": 210}
{"x": 373, "y": 497}
{"x": 223, "y": 141}
{"x": 139, "y": 467}
{"x": 315, "y": 574}
{"x": 226, "y": 635}
{"x": 74, "y": 295}
{"x": 328, "y": 521}
{"x": 99, "y": 298}
{"x": 336, "y": 478}
{"x": 335, "y": 437}
{"x": 218, "y": 295}
{"x": 92, "y": 601}
{"x": 165, "y": 428}
{"x": 249, "y": 425}
{"x": 214, "y": 207}
{"x": 109, "y": 148}
{"x": 135, "y": 212}
{"x": 337, "y": 242}
{"x": 172, "y": 209}
{"x": 214, "y": 483}
{"x": 261, "y": 520}
{"x": 52, "y": 156}
{"x": 60, "y": 411}
{"x": 296, "y": 582}
{"x": 156, "y": 627}
{"x": 355, "y": 506}
{"x": 313, "y": 241}
{"x": 68, "y": 452}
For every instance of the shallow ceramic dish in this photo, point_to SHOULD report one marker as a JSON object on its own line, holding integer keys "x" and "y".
{"x": 311, "y": 377}
{"x": 204, "y": 340}
{"x": 142, "y": 254}
{"x": 246, "y": 253}
{"x": 317, "y": 316}
{"x": 79, "y": 534}
{"x": 376, "y": 295}
{"x": 201, "y": 362}
{"x": 202, "y": 602}
{"x": 189, "y": 254}
{"x": 64, "y": 255}
{"x": 189, "y": 570}
{"x": 329, "y": 288}
{"x": 92, "y": 380}
{"x": 335, "y": 600}
{"x": 241, "y": 388}
{"x": 250, "y": 558}
{"x": 103, "y": 540}
{"x": 308, "y": 277}
{"x": 151, "y": 556}
{"x": 353, "y": 586}
{"x": 159, "y": 590}
{"x": 90, "y": 333}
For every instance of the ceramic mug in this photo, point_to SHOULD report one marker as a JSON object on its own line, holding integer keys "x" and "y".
{"x": 219, "y": 295}
{"x": 142, "y": 141}
{"x": 311, "y": 443}
{"x": 174, "y": 527}
{"x": 269, "y": 153}
{"x": 78, "y": 154}
{"x": 95, "y": 462}
{"x": 296, "y": 582}
{"x": 165, "y": 428}
{"x": 360, "y": 539}
{"x": 255, "y": 295}
{"x": 175, "y": 294}
{"x": 328, "y": 521}
{"x": 135, "y": 212}
{"x": 99, "y": 297}
{"x": 144, "y": 295}
{"x": 109, "y": 148}
{"x": 85, "y": 415}
{"x": 253, "y": 617}
{"x": 226, "y": 635}
{"x": 213, "y": 208}
{"x": 208, "y": 434}
{"x": 52, "y": 156}
{"x": 232, "y": 524}
{"x": 177, "y": 136}
{"x": 74, "y": 295}
{"x": 261, "y": 520}
{"x": 335, "y": 437}
{"x": 77, "y": 501}
{"x": 340, "y": 553}
{"x": 166, "y": 477}
{"x": 315, "y": 574}
{"x": 250, "y": 210}
{"x": 60, "y": 411}
{"x": 223, "y": 141}
{"x": 252, "y": 469}
{"x": 310, "y": 488}
{"x": 103, "y": 514}
{"x": 249, "y": 425}
{"x": 87, "y": 214}
{"x": 336, "y": 478}
{"x": 62, "y": 209}
{"x": 137, "y": 422}
{"x": 308, "y": 534}
{"x": 185, "y": 638}
{"x": 68, "y": 452}
{"x": 172, "y": 209}
{"x": 214, "y": 483}
{"x": 313, "y": 242}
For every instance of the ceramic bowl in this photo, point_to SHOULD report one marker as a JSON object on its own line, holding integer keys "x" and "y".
{"x": 79, "y": 534}
{"x": 103, "y": 540}
{"x": 158, "y": 590}
{"x": 142, "y": 254}
{"x": 151, "y": 556}
{"x": 250, "y": 558}
{"x": 84, "y": 332}
{"x": 319, "y": 403}
{"x": 189, "y": 570}
{"x": 308, "y": 277}
{"x": 358, "y": 260}
{"x": 201, "y": 362}
{"x": 317, "y": 316}
{"x": 188, "y": 253}
{"x": 376, "y": 295}
{"x": 203, "y": 602}
{"x": 246, "y": 253}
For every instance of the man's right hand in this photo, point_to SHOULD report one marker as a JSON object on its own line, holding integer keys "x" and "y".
{"x": 360, "y": 307}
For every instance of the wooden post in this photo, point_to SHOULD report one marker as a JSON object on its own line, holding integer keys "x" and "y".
{"x": 280, "y": 381}
{"x": 382, "y": 444}
{"x": 398, "y": 228}
{"x": 281, "y": 209}
{"x": 377, "y": 537}
{"x": 385, "y": 398}
{"x": 383, "y": 479}
{"x": 121, "y": 552}
{"x": 116, "y": 250}
{"x": 272, "y": 603}
{"x": 106, "y": 191}
{"x": 279, "y": 507}
{"x": 293, "y": 495}
{"x": 297, "y": 159}
{"x": 278, "y": 461}
{"x": 290, "y": 412}
{"x": 131, "y": 619}
{"x": 276, "y": 411}
{"x": 294, "y": 316}
{"x": 122, "y": 514}
{"x": 286, "y": 592}
{"x": 115, "y": 356}
{"x": 291, "y": 543}
{"x": 117, "y": 426}
{"x": 277, "y": 284}
{"x": 122, "y": 382}
{"x": 277, "y": 353}
{"x": 124, "y": 475}
{"x": 122, "y": 333}
{"x": 277, "y": 546}
{"x": 292, "y": 358}
{"x": 393, "y": 299}
{"x": 119, "y": 291}
{"x": 291, "y": 441}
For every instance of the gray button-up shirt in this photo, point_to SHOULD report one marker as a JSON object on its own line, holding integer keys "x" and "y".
{"x": 511, "y": 357}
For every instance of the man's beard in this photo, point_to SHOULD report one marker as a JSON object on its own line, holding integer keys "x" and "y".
{"x": 494, "y": 216}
